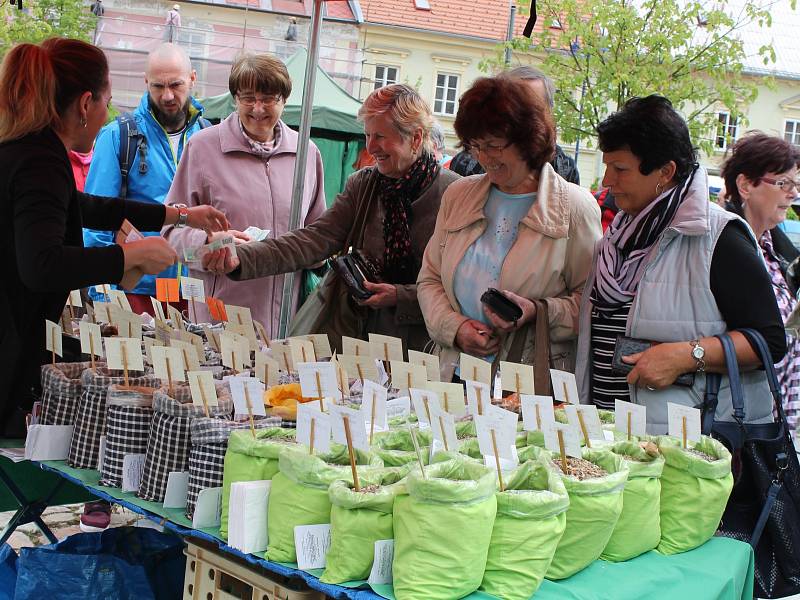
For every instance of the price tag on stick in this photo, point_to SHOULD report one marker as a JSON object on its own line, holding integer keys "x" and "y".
{"x": 321, "y": 345}
{"x": 373, "y": 407}
{"x": 684, "y": 423}
{"x": 451, "y": 396}
{"x": 355, "y": 347}
{"x": 168, "y": 364}
{"x": 283, "y": 354}
{"x": 587, "y": 420}
{"x": 424, "y": 401}
{"x": 475, "y": 369}
{"x": 302, "y": 350}
{"x": 53, "y": 339}
{"x": 267, "y": 369}
{"x": 91, "y": 340}
{"x": 318, "y": 380}
{"x": 444, "y": 429}
{"x": 406, "y": 375}
{"x": 124, "y": 354}
{"x": 429, "y": 361}
{"x": 479, "y": 397}
{"x": 203, "y": 389}
{"x": 565, "y": 389}
{"x": 537, "y": 412}
{"x": 630, "y": 419}
{"x": 313, "y": 428}
{"x": 386, "y": 347}
{"x": 517, "y": 378}
{"x": 564, "y": 439}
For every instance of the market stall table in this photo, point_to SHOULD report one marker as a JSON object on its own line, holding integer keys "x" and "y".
{"x": 721, "y": 569}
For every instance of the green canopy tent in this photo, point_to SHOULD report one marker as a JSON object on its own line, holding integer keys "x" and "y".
{"x": 334, "y": 125}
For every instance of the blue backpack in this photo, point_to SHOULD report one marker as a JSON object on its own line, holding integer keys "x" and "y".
{"x": 131, "y": 141}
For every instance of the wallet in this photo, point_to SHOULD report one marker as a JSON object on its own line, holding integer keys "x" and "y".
{"x": 501, "y": 305}
{"x": 626, "y": 346}
{"x": 354, "y": 268}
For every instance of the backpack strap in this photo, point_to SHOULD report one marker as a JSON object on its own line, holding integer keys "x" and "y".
{"x": 131, "y": 140}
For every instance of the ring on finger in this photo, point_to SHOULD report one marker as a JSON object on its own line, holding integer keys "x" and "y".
{"x": 650, "y": 388}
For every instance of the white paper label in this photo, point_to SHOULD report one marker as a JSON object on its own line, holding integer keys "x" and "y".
{"x": 132, "y": 466}
{"x": 101, "y": 453}
{"x": 311, "y": 544}
{"x": 192, "y": 288}
{"x": 53, "y": 337}
{"x": 318, "y": 379}
{"x": 48, "y": 442}
{"x": 124, "y": 353}
{"x": 638, "y": 417}
{"x": 208, "y": 509}
{"x": 91, "y": 339}
{"x": 306, "y": 414}
{"x": 398, "y": 407}
{"x": 472, "y": 368}
{"x": 429, "y": 361}
{"x": 676, "y": 413}
{"x": 503, "y": 424}
{"x": 202, "y": 388}
{"x": 407, "y": 375}
{"x": 590, "y": 417}
{"x": 444, "y": 429}
{"x": 479, "y": 397}
{"x": 373, "y": 405}
{"x": 451, "y": 396}
{"x": 358, "y": 430}
{"x": 168, "y": 364}
{"x": 570, "y": 435}
{"x": 385, "y": 347}
{"x": 423, "y": 401}
{"x": 177, "y": 489}
{"x": 381, "y": 573}
{"x": 537, "y": 411}
{"x": 251, "y": 402}
{"x": 565, "y": 388}
{"x": 517, "y": 378}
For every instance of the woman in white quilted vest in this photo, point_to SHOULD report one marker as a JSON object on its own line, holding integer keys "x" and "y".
{"x": 672, "y": 270}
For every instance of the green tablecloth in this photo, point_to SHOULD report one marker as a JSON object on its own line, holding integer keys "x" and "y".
{"x": 721, "y": 569}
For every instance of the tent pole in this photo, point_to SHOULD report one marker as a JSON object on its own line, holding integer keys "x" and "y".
{"x": 302, "y": 152}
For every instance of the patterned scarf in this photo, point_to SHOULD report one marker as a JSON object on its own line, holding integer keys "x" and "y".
{"x": 396, "y": 196}
{"x": 620, "y": 259}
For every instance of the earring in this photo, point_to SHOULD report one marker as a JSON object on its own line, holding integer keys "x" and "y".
{"x": 83, "y": 123}
{"x": 659, "y": 187}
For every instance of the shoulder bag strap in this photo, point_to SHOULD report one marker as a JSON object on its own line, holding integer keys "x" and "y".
{"x": 541, "y": 361}
{"x": 737, "y": 394}
{"x": 363, "y": 204}
{"x": 757, "y": 340}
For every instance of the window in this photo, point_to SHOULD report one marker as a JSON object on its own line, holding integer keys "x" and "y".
{"x": 446, "y": 93}
{"x": 385, "y": 75}
{"x": 727, "y": 130}
{"x": 791, "y": 131}
{"x": 422, "y": 4}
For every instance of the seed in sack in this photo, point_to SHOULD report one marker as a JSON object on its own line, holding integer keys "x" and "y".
{"x": 650, "y": 448}
{"x": 370, "y": 489}
{"x": 581, "y": 469}
{"x": 699, "y": 454}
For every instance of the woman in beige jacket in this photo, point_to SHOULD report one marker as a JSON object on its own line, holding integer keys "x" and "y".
{"x": 519, "y": 228}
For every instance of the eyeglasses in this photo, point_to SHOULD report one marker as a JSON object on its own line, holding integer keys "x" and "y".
{"x": 785, "y": 185}
{"x": 267, "y": 101}
{"x": 492, "y": 150}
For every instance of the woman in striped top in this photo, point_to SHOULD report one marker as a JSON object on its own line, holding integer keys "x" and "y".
{"x": 672, "y": 269}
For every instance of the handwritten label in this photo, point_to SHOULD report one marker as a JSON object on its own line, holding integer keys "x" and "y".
{"x": 675, "y": 417}
{"x": 398, "y": 407}
{"x": 53, "y": 337}
{"x": 124, "y": 353}
{"x": 504, "y": 425}
{"x": 424, "y": 401}
{"x": 355, "y": 347}
{"x": 267, "y": 369}
{"x": 119, "y": 298}
{"x": 451, "y": 396}
{"x": 406, "y": 375}
{"x": 570, "y": 436}
{"x": 429, "y": 361}
{"x": 473, "y": 368}
{"x": 307, "y": 413}
{"x": 202, "y": 388}
{"x": 235, "y": 350}
{"x": 359, "y": 367}
{"x": 479, "y": 397}
{"x": 321, "y": 345}
{"x": 302, "y": 351}
{"x": 283, "y": 354}
{"x": 587, "y": 413}
{"x": 250, "y": 403}
{"x": 193, "y": 289}
{"x": 637, "y": 419}
{"x": 311, "y": 544}
{"x": 565, "y": 388}
{"x": 188, "y": 353}
{"x": 358, "y": 430}
{"x": 385, "y": 347}
{"x": 444, "y": 429}
{"x": 132, "y": 467}
{"x": 91, "y": 339}
{"x": 373, "y": 405}
{"x": 537, "y": 412}
{"x": 318, "y": 379}
{"x": 515, "y": 377}
{"x": 381, "y": 573}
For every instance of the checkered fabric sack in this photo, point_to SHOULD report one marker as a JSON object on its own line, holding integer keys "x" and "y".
{"x": 90, "y": 418}
{"x": 207, "y": 455}
{"x": 61, "y": 390}
{"x": 169, "y": 444}
{"x": 130, "y": 411}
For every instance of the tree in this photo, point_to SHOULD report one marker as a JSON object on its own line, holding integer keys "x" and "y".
{"x": 42, "y": 19}
{"x": 687, "y": 50}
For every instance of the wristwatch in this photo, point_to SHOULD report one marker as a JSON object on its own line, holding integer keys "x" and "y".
{"x": 183, "y": 215}
{"x": 698, "y": 354}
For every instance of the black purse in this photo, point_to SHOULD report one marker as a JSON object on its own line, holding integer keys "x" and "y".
{"x": 354, "y": 268}
{"x": 764, "y": 506}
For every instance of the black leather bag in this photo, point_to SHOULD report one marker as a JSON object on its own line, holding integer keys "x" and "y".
{"x": 354, "y": 268}
{"x": 764, "y": 506}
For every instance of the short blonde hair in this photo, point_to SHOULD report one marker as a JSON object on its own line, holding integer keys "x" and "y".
{"x": 405, "y": 107}
{"x": 260, "y": 73}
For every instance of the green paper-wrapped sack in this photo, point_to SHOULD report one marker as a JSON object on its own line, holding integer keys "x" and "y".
{"x": 531, "y": 517}
{"x": 694, "y": 493}
{"x": 251, "y": 458}
{"x": 402, "y": 421}
{"x": 594, "y": 507}
{"x": 466, "y": 429}
{"x": 358, "y": 520}
{"x": 442, "y": 529}
{"x": 400, "y": 439}
{"x": 638, "y": 529}
{"x": 299, "y": 493}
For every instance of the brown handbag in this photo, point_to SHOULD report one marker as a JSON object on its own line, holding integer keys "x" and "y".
{"x": 541, "y": 352}
{"x": 330, "y": 308}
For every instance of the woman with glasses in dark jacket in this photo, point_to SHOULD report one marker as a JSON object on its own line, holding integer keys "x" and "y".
{"x": 761, "y": 182}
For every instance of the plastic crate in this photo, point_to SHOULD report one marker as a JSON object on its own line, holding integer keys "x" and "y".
{"x": 213, "y": 575}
